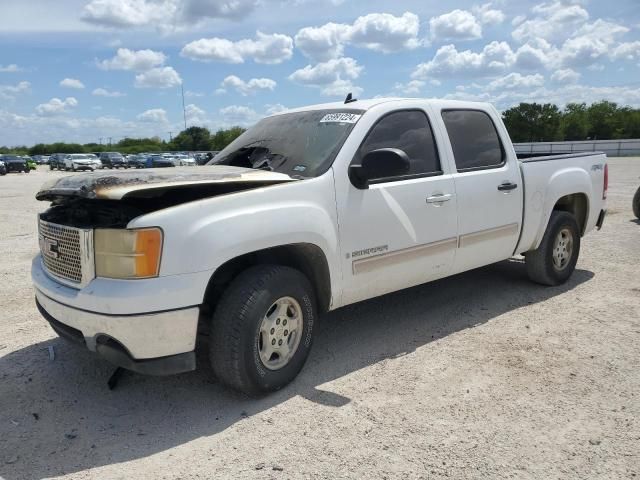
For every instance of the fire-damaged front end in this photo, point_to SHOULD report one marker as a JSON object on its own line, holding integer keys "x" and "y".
{"x": 99, "y": 281}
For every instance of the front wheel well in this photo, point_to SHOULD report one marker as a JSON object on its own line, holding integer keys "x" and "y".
{"x": 578, "y": 205}
{"x": 307, "y": 258}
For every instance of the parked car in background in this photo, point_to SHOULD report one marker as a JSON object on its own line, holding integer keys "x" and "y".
{"x": 636, "y": 204}
{"x": 137, "y": 161}
{"x": 41, "y": 159}
{"x": 14, "y": 163}
{"x": 31, "y": 163}
{"x": 81, "y": 161}
{"x": 203, "y": 157}
{"x": 3, "y": 168}
{"x": 57, "y": 161}
{"x": 182, "y": 160}
{"x": 162, "y": 161}
{"x": 113, "y": 160}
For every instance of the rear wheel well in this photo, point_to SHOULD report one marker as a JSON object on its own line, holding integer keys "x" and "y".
{"x": 307, "y": 258}
{"x": 578, "y": 205}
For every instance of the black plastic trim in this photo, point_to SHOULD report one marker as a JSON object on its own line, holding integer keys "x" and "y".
{"x": 71, "y": 334}
{"x": 600, "y": 222}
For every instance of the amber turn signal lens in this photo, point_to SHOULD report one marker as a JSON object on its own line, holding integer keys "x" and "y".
{"x": 148, "y": 248}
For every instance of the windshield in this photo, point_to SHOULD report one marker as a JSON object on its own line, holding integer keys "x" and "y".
{"x": 299, "y": 144}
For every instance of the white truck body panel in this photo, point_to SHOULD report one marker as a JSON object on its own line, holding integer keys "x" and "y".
{"x": 390, "y": 236}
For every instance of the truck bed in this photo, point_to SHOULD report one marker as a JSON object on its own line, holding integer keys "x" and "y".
{"x": 544, "y": 157}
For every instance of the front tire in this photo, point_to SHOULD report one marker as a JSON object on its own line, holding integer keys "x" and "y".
{"x": 553, "y": 262}
{"x": 636, "y": 204}
{"x": 262, "y": 329}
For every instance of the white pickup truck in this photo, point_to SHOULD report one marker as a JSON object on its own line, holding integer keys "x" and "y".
{"x": 307, "y": 211}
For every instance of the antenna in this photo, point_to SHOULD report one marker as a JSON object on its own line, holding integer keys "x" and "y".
{"x": 184, "y": 111}
{"x": 350, "y": 98}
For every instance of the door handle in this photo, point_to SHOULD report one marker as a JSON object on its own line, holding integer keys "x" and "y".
{"x": 507, "y": 186}
{"x": 439, "y": 198}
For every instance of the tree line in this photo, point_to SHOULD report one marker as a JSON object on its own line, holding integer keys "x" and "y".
{"x": 534, "y": 122}
{"x": 191, "y": 139}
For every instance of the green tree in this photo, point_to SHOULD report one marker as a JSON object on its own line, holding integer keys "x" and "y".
{"x": 533, "y": 122}
{"x": 604, "y": 121}
{"x": 192, "y": 139}
{"x": 222, "y": 138}
{"x": 575, "y": 123}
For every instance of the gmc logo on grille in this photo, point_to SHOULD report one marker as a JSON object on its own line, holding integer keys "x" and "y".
{"x": 49, "y": 247}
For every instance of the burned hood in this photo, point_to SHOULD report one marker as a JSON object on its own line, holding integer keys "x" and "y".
{"x": 110, "y": 185}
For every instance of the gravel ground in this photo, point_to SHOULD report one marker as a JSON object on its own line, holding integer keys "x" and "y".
{"x": 481, "y": 375}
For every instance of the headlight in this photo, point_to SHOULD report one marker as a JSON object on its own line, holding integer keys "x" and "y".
{"x": 128, "y": 254}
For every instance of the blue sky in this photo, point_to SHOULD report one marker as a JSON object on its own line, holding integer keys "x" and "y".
{"x": 81, "y": 70}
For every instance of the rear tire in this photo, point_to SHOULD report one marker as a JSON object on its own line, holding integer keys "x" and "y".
{"x": 553, "y": 262}
{"x": 249, "y": 327}
{"x": 636, "y": 204}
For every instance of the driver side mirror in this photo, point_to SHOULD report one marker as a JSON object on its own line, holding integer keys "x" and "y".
{"x": 380, "y": 163}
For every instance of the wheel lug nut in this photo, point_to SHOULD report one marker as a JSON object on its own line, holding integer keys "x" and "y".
{"x": 286, "y": 332}
{"x": 284, "y": 322}
{"x": 277, "y": 321}
{"x": 273, "y": 330}
{"x": 279, "y": 342}
{"x": 273, "y": 342}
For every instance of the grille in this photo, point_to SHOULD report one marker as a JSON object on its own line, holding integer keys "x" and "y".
{"x": 60, "y": 247}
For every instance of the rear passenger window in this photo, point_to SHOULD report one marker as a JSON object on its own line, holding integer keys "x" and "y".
{"x": 410, "y": 132}
{"x": 474, "y": 139}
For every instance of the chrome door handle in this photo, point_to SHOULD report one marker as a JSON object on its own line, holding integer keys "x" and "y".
{"x": 439, "y": 198}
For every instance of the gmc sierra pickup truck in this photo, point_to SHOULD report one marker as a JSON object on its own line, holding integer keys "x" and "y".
{"x": 307, "y": 211}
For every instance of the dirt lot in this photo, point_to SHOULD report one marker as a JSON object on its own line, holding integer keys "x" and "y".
{"x": 482, "y": 375}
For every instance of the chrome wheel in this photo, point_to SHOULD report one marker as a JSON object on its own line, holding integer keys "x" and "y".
{"x": 280, "y": 333}
{"x": 562, "y": 249}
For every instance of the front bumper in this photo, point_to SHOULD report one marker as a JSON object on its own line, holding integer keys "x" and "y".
{"x": 156, "y": 343}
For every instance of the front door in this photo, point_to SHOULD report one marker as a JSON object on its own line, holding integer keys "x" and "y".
{"x": 400, "y": 231}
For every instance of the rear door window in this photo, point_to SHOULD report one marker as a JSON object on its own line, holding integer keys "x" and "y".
{"x": 474, "y": 139}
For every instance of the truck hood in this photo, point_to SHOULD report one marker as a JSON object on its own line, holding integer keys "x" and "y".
{"x": 156, "y": 182}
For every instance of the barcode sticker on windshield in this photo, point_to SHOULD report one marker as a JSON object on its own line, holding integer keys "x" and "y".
{"x": 340, "y": 118}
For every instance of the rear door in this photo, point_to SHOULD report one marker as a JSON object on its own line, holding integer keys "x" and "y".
{"x": 488, "y": 186}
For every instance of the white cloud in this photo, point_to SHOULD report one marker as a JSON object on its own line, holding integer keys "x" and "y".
{"x": 334, "y": 77}
{"x": 103, "y": 92}
{"x": 190, "y": 93}
{"x": 275, "y": 108}
{"x": 535, "y": 55}
{"x": 154, "y": 115}
{"x": 239, "y": 115}
{"x": 162, "y": 77}
{"x": 413, "y": 87}
{"x": 590, "y": 42}
{"x": 626, "y": 95}
{"x": 626, "y": 51}
{"x": 380, "y": 32}
{"x": 72, "y": 83}
{"x": 516, "y": 81}
{"x": 10, "y": 91}
{"x": 248, "y": 87}
{"x": 488, "y": 15}
{"x": 552, "y": 21}
{"x": 136, "y": 60}
{"x": 195, "y": 115}
{"x": 55, "y": 106}
{"x": 494, "y": 59}
{"x": 565, "y": 76}
{"x": 266, "y": 48}
{"x": 455, "y": 25}
{"x": 11, "y": 68}
{"x": 166, "y": 15}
